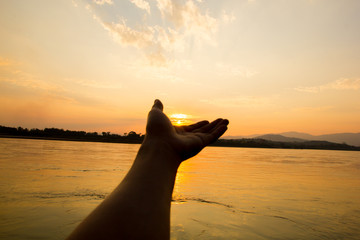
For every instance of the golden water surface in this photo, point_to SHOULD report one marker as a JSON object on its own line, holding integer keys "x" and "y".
{"x": 48, "y": 187}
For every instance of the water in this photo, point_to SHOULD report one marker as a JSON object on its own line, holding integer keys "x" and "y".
{"x": 48, "y": 187}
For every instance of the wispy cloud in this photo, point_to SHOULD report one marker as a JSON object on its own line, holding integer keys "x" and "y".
{"x": 153, "y": 41}
{"x": 240, "y": 102}
{"x": 228, "y": 18}
{"x": 54, "y": 90}
{"x": 11, "y": 73}
{"x": 189, "y": 16}
{"x": 307, "y": 89}
{"x": 94, "y": 84}
{"x": 346, "y": 83}
{"x": 21, "y": 80}
{"x": 183, "y": 20}
{"x": 142, "y": 4}
{"x": 26, "y": 80}
{"x": 314, "y": 109}
{"x": 102, "y": 2}
{"x": 127, "y": 36}
{"x": 74, "y": 3}
{"x": 224, "y": 69}
{"x": 5, "y": 62}
{"x": 340, "y": 84}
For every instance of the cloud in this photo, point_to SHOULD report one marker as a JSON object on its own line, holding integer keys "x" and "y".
{"x": 5, "y": 62}
{"x": 127, "y": 36}
{"x": 20, "y": 88}
{"x": 102, "y": 2}
{"x": 155, "y": 49}
{"x": 164, "y": 74}
{"x": 21, "y": 80}
{"x": 75, "y": 4}
{"x": 182, "y": 21}
{"x": 314, "y": 109}
{"x": 228, "y": 18}
{"x": 240, "y": 102}
{"x": 47, "y": 91}
{"x": 223, "y": 69}
{"x": 53, "y": 92}
{"x": 308, "y": 89}
{"x": 346, "y": 83}
{"x": 142, "y": 5}
{"x": 187, "y": 15}
{"x": 94, "y": 84}
{"x": 26, "y": 80}
{"x": 340, "y": 84}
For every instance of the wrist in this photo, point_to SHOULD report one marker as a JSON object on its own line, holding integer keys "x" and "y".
{"x": 158, "y": 150}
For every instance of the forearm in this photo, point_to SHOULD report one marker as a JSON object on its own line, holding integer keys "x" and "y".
{"x": 139, "y": 208}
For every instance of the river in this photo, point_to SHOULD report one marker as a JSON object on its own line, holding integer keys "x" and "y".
{"x": 48, "y": 187}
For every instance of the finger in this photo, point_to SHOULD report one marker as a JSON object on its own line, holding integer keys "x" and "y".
{"x": 215, "y": 134}
{"x": 179, "y": 129}
{"x": 208, "y": 127}
{"x": 158, "y": 105}
{"x": 217, "y": 130}
{"x": 195, "y": 126}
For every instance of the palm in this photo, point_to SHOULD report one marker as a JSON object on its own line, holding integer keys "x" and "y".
{"x": 186, "y": 140}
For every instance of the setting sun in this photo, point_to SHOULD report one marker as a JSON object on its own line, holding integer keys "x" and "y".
{"x": 180, "y": 119}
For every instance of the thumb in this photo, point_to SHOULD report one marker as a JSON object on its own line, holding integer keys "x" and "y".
{"x": 158, "y": 105}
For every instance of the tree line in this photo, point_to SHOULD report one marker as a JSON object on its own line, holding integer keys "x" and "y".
{"x": 133, "y": 137}
{"x": 262, "y": 143}
{"x": 56, "y": 133}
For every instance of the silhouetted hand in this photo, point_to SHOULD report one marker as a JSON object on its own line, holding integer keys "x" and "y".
{"x": 186, "y": 141}
{"x": 139, "y": 208}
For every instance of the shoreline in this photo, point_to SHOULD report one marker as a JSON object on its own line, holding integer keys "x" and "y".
{"x": 237, "y": 143}
{"x": 69, "y": 139}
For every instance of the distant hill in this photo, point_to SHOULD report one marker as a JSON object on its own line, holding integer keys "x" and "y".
{"x": 262, "y": 143}
{"x": 279, "y": 138}
{"x": 348, "y": 138}
{"x": 298, "y": 135}
{"x": 242, "y": 136}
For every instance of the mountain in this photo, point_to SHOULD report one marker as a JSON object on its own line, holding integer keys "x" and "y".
{"x": 262, "y": 143}
{"x": 348, "y": 138}
{"x": 241, "y": 137}
{"x": 305, "y": 136}
{"x": 280, "y": 138}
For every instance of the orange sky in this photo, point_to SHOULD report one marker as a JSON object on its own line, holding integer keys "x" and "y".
{"x": 267, "y": 66}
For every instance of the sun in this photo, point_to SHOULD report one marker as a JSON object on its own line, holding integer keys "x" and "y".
{"x": 179, "y": 119}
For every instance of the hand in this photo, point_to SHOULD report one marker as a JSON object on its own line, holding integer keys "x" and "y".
{"x": 139, "y": 208}
{"x": 186, "y": 141}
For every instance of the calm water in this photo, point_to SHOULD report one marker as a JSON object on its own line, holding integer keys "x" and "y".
{"x": 48, "y": 187}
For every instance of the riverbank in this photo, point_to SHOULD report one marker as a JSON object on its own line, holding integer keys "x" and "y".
{"x": 240, "y": 143}
{"x": 75, "y": 139}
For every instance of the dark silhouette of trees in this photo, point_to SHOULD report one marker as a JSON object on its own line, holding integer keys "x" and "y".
{"x": 133, "y": 137}
{"x": 61, "y": 134}
{"x": 262, "y": 143}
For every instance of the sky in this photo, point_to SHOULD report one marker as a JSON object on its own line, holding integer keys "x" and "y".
{"x": 97, "y": 65}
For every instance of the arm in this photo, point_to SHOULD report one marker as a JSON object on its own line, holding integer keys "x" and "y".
{"x": 139, "y": 208}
